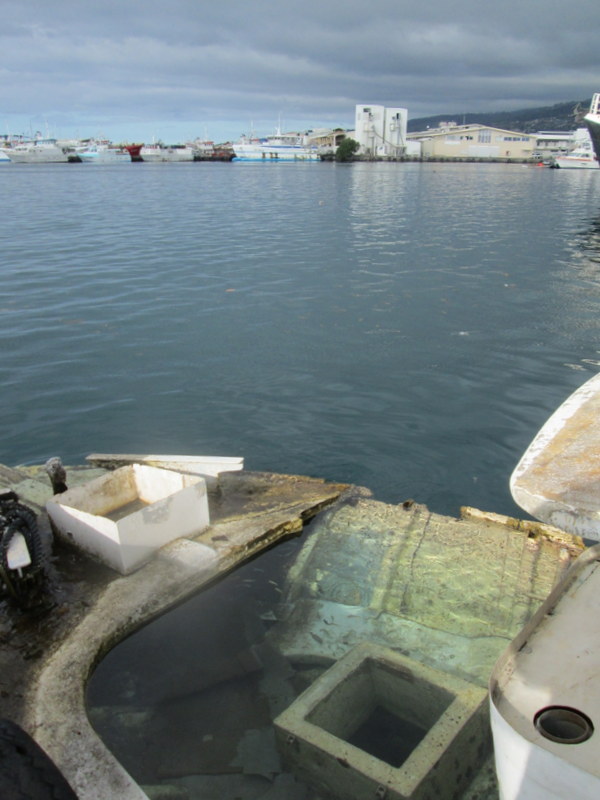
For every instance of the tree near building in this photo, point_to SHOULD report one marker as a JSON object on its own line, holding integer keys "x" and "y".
{"x": 346, "y": 149}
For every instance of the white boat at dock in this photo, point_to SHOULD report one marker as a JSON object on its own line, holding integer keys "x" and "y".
{"x": 40, "y": 151}
{"x": 104, "y": 153}
{"x": 582, "y": 155}
{"x": 208, "y": 151}
{"x": 280, "y": 147}
{"x": 159, "y": 152}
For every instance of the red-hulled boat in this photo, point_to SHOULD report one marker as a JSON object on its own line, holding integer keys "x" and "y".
{"x": 134, "y": 151}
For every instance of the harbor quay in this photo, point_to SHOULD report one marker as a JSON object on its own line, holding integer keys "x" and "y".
{"x": 425, "y": 603}
{"x": 379, "y": 134}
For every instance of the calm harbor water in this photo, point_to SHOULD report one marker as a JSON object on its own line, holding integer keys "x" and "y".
{"x": 406, "y": 327}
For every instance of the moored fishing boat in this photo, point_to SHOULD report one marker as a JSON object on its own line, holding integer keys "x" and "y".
{"x": 134, "y": 151}
{"x": 102, "y": 153}
{"x": 40, "y": 151}
{"x": 280, "y": 147}
{"x": 209, "y": 151}
{"x": 582, "y": 156}
{"x": 166, "y": 153}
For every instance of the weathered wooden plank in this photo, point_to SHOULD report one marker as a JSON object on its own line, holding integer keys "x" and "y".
{"x": 197, "y": 465}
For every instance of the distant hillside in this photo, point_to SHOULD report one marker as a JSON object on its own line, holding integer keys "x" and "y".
{"x": 560, "y": 117}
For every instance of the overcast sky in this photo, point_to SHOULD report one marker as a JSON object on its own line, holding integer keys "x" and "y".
{"x": 180, "y": 69}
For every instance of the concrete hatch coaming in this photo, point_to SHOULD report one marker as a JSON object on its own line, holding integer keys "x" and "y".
{"x": 316, "y": 732}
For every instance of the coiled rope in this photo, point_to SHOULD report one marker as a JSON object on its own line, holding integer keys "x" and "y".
{"x": 16, "y": 520}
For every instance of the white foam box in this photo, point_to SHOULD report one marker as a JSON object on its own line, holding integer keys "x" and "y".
{"x": 123, "y": 517}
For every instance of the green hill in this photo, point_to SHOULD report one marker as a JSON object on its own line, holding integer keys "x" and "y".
{"x": 560, "y": 117}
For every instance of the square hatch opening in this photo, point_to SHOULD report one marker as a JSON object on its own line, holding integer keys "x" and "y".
{"x": 377, "y": 721}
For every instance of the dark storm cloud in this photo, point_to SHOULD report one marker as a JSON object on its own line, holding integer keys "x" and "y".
{"x": 185, "y": 63}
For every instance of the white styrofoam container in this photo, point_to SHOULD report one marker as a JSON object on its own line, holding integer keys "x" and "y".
{"x": 123, "y": 517}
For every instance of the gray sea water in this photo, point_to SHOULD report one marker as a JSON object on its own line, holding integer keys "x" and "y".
{"x": 407, "y": 327}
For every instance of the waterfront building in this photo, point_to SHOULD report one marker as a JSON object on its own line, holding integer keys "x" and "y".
{"x": 326, "y": 136}
{"x": 380, "y": 131}
{"x": 327, "y": 139}
{"x": 474, "y": 141}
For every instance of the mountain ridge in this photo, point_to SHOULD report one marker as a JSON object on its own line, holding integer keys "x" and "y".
{"x": 564, "y": 116}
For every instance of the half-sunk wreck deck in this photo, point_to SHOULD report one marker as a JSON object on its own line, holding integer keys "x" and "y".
{"x": 448, "y": 593}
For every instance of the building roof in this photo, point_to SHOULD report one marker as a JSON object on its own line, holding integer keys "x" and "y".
{"x": 465, "y": 129}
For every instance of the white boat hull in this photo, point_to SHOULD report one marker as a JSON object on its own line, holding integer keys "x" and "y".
{"x": 544, "y": 700}
{"x": 39, "y": 153}
{"x": 245, "y": 152}
{"x": 576, "y": 162}
{"x": 581, "y": 156}
{"x": 280, "y": 147}
{"x": 104, "y": 157}
{"x": 166, "y": 154}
